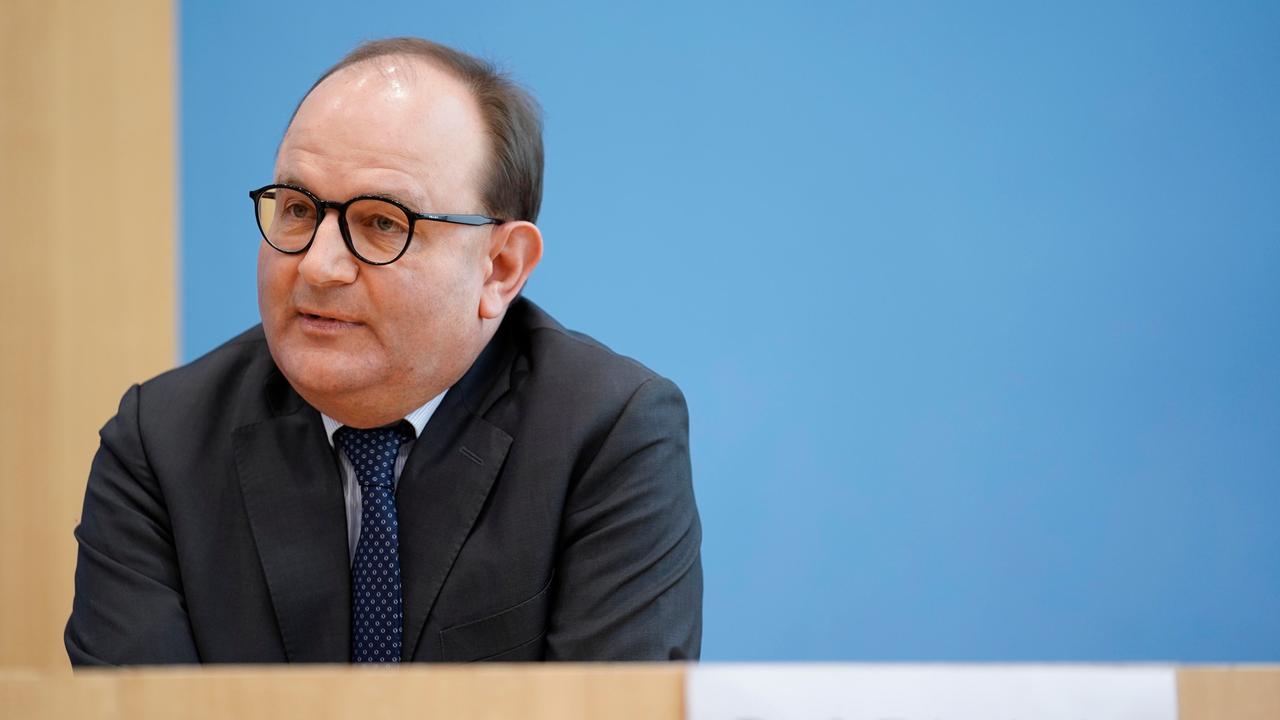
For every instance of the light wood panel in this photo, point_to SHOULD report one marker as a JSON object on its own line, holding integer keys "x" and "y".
{"x": 1238, "y": 693}
{"x": 529, "y": 692}
{"x": 87, "y": 300}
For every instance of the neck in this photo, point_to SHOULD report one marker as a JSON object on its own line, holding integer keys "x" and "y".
{"x": 365, "y": 412}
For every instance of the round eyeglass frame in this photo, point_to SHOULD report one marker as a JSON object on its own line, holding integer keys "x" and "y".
{"x": 323, "y": 206}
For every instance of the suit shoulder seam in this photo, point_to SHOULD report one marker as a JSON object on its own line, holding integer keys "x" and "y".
{"x": 599, "y": 347}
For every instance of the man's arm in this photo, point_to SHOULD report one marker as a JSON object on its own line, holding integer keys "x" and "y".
{"x": 128, "y": 607}
{"x": 628, "y": 584}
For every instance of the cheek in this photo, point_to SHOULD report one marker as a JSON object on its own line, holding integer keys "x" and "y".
{"x": 275, "y": 280}
{"x": 446, "y": 277}
{"x": 431, "y": 307}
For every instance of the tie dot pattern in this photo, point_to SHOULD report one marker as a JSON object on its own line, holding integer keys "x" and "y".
{"x": 377, "y": 616}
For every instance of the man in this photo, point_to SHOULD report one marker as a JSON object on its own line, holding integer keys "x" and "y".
{"x": 407, "y": 461}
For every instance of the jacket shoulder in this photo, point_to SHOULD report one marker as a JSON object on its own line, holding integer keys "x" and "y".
{"x": 211, "y": 388}
{"x": 565, "y": 356}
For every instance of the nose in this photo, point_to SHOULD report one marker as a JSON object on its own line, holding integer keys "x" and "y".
{"x": 328, "y": 262}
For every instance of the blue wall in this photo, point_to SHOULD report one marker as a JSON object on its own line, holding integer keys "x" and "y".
{"x": 976, "y": 306}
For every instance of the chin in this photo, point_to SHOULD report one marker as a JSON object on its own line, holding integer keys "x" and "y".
{"x": 326, "y": 377}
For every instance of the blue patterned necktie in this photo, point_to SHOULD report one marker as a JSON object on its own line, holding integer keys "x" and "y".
{"x": 377, "y": 617}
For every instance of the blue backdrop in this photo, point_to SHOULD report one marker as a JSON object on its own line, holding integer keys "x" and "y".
{"x": 976, "y": 306}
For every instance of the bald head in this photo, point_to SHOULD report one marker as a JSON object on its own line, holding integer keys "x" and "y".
{"x": 411, "y": 128}
{"x": 511, "y": 174}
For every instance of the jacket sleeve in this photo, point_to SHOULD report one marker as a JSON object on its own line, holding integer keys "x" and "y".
{"x": 628, "y": 584}
{"x": 128, "y": 607}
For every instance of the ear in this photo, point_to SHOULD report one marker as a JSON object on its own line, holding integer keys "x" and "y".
{"x": 514, "y": 251}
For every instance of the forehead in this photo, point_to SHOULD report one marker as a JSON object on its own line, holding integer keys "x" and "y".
{"x": 388, "y": 125}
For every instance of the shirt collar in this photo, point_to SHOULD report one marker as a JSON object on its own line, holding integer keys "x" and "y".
{"x": 418, "y": 418}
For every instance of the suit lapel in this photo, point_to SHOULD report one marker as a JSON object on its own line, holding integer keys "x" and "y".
{"x": 293, "y": 496}
{"x": 444, "y": 484}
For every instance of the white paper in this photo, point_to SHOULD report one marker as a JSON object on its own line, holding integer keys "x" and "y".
{"x": 931, "y": 692}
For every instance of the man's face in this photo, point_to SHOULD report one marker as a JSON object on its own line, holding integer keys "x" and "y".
{"x": 362, "y": 343}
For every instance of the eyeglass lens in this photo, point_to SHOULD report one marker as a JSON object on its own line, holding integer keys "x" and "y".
{"x": 378, "y": 229}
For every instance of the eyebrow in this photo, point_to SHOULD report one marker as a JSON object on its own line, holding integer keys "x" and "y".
{"x": 410, "y": 200}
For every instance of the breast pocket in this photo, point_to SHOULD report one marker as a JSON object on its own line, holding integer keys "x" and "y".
{"x": 511, "y": 635}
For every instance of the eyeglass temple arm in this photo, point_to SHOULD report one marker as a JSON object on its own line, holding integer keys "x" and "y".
{"x": 462, "y": 219}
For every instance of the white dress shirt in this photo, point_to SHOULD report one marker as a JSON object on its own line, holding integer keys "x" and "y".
{"x": 351, "y": 489}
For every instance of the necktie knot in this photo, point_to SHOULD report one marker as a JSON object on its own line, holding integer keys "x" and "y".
{"x": 373, "y": 452}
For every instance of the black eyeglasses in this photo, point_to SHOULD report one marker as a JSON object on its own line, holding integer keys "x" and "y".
{"x": 377, "y": 230}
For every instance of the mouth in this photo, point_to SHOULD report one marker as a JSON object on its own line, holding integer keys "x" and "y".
{"x": 325, "y": 323}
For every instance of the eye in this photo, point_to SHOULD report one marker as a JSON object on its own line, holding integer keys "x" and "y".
{"x": 385, "y": 223}
{"x": 298, "y": 210}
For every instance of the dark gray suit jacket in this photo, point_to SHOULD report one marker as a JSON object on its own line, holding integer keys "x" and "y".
{"x": 547, "y": 512}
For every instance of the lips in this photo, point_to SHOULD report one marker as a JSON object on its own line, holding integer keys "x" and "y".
{"x": 312, "y": 314}
{"x": 324, "y": 321}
